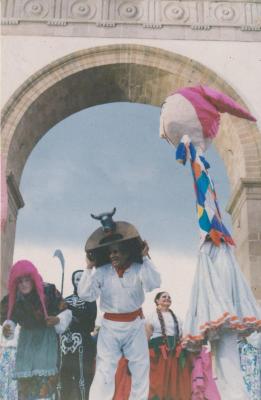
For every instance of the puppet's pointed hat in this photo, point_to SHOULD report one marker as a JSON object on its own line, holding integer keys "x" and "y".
{"x": 195, "y": 111}
{"x": 209, "y": 103}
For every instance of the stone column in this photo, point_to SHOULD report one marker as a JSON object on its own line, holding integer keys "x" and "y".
{"x": 245, "y": 209}
{"x": 15, "y": 201}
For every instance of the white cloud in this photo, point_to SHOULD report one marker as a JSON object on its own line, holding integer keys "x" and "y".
{"x": 177, "y": 271}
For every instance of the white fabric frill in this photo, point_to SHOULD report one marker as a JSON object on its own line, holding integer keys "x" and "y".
{"x": 220, "y": 300}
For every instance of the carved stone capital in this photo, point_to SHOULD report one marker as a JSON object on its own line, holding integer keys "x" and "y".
{"x": 14, "y": 195}
{"x": 246, "y": 189}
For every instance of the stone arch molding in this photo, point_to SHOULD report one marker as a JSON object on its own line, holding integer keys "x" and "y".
{"x": 99, "y": 75}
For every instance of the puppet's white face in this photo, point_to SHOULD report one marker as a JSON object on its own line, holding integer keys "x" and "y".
{"x": 179, "y": 118}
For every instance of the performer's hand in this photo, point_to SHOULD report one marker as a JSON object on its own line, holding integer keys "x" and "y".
{"x": 51, "y": 321}
{"x": 89, "y": 263}
{"x": 7, "y": 330}
{"x": 145, "y": 250}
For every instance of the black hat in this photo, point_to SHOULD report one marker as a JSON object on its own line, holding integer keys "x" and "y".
{"x": 111, "y": 232}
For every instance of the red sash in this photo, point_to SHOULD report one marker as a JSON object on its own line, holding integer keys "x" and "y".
{"x": 124, "y": 317}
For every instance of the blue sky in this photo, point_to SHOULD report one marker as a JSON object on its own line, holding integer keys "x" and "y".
{"x": 106, "y": 156}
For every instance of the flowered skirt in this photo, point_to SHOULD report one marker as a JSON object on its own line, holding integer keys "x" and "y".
{"x": 8, "y": 385}
{"x": 250, "y": 360}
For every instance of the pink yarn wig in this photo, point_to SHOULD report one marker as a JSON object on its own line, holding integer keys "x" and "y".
{"x": 19, "y": 269}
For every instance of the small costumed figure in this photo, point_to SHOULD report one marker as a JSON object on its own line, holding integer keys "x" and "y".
{"x": 168, "y": 379}
{"x": 123, "y": 274}
{"x": 77, "y": 346}
{"x": 42, "y": 314}
{"x": 222, "y": 305}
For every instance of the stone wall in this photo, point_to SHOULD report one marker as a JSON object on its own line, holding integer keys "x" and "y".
{"x": 164, "y": 19}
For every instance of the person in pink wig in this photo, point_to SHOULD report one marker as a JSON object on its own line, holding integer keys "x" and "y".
{"x": 42, "y": 314}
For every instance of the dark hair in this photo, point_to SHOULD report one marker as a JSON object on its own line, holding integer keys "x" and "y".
{"x": 73, "y": 275}
{"x": 158, "y": 296}
{"x": 132, "y": 246}
{"x": 162, "y": 323}
{"x": 161, "y": 319}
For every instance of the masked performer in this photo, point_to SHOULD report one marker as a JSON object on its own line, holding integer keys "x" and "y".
{"x": 77, "y": 347}
{"x": 42, "y": 314}
{"x": 124, "y": 274}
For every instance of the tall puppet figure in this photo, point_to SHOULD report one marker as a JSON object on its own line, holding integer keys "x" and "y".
{"x": 77, "y": 347}
{"x": 222, "y": 305}
{"x": 123, "y": 273}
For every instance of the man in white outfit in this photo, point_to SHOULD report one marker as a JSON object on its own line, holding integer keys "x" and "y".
{"x": 120, "y": 284}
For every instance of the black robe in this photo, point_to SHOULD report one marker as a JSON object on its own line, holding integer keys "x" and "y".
{"x": 78, "y": 350}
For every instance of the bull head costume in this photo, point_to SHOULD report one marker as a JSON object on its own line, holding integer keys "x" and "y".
{"x": 112, "y": 232}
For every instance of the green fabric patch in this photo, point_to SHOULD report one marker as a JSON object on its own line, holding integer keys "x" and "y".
{"x": 182, "y": 358}
{"x": 155, "y": 343}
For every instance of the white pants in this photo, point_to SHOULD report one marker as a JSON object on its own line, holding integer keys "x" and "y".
{"x": 229, "y": 376}
{"x": 114, "y": 340}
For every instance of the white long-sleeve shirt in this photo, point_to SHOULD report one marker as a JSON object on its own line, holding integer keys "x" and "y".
{"x": 170, "y": 325}
{"x": 119, "y": 295}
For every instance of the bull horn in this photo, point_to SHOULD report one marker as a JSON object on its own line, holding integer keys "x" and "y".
{"x": 96, "y": 217}
{"x": 112, "y": 212}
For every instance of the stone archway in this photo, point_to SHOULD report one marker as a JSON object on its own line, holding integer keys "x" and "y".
{"x": 139, "y": 74}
